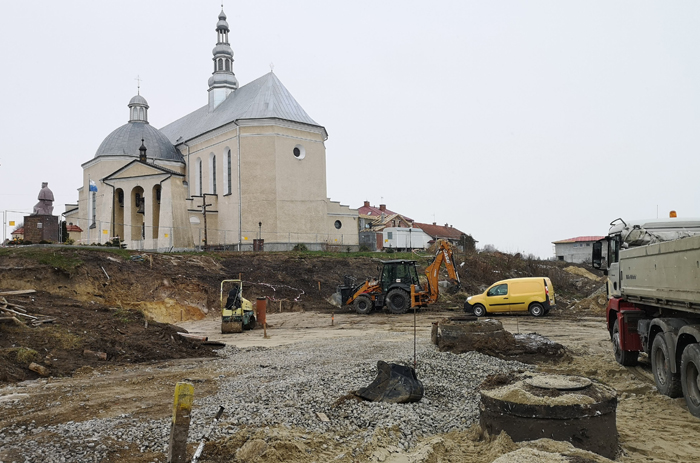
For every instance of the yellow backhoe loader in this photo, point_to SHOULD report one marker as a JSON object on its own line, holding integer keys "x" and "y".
{"x": 398, "y": 287}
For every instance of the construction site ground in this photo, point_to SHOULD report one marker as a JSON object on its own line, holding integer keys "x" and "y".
{"x": 130, "y": 307}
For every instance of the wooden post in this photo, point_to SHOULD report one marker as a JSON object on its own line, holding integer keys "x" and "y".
{"x": 180, "y": 427}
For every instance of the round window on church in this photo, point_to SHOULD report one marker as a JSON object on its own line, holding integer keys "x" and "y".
{"x": 299, "y": 152}
{"x": 338, "y": 224}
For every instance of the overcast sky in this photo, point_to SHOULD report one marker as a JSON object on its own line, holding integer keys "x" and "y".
{"x": 518, "y": 122}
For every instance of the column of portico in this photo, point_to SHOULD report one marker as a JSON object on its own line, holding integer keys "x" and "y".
{"x": 128, "y": 204}
{"x": 149, "y": 242}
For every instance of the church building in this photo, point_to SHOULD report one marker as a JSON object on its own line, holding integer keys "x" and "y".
{"x": 249, "y": 165}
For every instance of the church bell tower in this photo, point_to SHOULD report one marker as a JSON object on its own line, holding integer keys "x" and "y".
{"x": 223, "y": 81}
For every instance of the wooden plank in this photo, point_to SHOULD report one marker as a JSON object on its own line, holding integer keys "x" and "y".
{"x": 17, "y": 307}
{"x": 5, "y": 309}
{"x": 18, "y": 292}
{"x": 193, "y": 337}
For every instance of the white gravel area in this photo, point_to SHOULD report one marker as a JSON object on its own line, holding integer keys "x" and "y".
{"x": 287, "y": 386}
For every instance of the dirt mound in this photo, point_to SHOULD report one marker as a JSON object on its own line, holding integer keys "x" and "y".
{"x": 582, "y": 272}
{"x": 290, "y": 445}
{"x": 116, "y": 334}
{"x": 594, "y": 304}
{"x": 460, "y": 335}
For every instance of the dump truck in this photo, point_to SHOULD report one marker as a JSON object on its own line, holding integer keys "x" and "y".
{"x": 398, "y": 287}
{"x": 653, "y": 286}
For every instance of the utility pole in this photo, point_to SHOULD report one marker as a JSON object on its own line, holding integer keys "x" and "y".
{"x": 204, "y": 214}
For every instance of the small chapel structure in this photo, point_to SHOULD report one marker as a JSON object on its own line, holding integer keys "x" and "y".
{"x": 250, "y": 165}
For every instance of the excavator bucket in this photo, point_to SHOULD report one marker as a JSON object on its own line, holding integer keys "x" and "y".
{"x": 394, "y": 384}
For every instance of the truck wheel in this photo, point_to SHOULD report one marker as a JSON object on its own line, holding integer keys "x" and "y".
{"x": 536, "y": 309}
{"x": 623, "y": 357}
{"x": 690, "y": 372}
{"x": 667, "y": 383}
{"x": 363, "y": 304}
{"x": 398, "y": 301}
{"x": 479, "y": 310}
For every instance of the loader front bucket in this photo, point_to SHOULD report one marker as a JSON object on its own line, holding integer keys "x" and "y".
{"x": 394, "y": 384}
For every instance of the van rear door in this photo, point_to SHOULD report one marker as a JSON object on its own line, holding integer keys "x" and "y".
{"x": 525, "y": 291}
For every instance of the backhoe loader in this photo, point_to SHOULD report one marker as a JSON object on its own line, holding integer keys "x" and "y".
{"x": 398, "y": 287}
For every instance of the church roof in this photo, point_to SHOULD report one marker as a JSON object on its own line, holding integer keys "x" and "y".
{"x": 126, "y": 141}
{"x": 138, "y": 162}
{"x": 263, "y": 98}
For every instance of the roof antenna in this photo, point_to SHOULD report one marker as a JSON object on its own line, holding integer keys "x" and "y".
{"x": 138, "y": 85}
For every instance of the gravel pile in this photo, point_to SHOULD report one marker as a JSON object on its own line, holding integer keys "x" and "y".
{"x": 288, "y": 386}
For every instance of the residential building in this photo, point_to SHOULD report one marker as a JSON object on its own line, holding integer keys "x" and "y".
{"x": 577, "y": 250}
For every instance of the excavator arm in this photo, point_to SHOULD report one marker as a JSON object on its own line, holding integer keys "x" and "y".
{"x": 432, "y": 272}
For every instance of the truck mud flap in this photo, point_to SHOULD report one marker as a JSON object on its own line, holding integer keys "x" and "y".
{"x": 394, "y": 384}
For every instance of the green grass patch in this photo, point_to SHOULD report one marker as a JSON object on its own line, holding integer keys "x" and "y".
{"x": 373, "y": 255}
{"x": 25, "y": 355}
{"x": 61, "y": 259}
{"x": 124, "y": 315}
{"x": 63, "y": 339}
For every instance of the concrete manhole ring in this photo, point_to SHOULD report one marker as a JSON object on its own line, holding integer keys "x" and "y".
{"x": 559, "y": 382}
{"x": 558, "y": 407}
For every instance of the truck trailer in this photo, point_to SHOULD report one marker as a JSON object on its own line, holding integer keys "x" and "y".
{"x": 653, "y": 270}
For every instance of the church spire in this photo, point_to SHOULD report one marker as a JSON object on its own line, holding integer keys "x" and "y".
{"x": 223, "y": 81}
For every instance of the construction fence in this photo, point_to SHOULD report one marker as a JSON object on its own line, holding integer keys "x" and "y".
{"x": 162, "y": 239}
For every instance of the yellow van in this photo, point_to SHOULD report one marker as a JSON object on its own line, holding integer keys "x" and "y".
{"x": 534, "y": 295}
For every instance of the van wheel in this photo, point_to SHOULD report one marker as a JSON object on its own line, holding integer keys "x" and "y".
{"x": 536, "y": 309}
{"x": 479, "y": 310}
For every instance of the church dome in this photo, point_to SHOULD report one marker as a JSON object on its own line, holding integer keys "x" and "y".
{"x": 222, "y": 24}
{"x": 138, "y": 99}
{"x": 223, "y": 79}
{"x": 126, "y": 140}
{"x": 222, "y": 49}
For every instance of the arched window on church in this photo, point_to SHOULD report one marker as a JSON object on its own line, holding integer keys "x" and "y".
{"x": 93, "y": 219}
{"x": 212, "y": 173}
{"x": 228, "y": 172}
{"x": 220, "y": 64}
{"x": 228, "y": 65}
{"x": 198, "y": 177}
